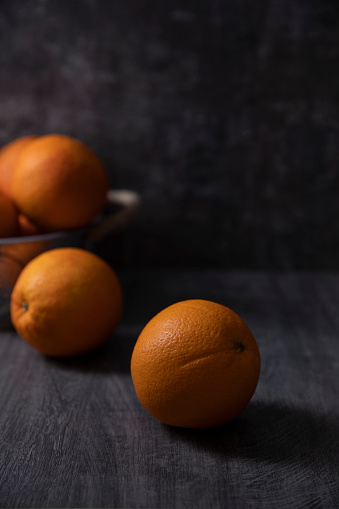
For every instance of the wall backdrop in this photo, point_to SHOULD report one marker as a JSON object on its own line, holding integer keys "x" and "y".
{"x": 222, "y": 114}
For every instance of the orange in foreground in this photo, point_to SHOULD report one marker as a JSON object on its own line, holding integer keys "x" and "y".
{"x": 9, "y": 155}
{"x": 196, "y": 364}
{"x": 66, "y": 302}
{"x": 59, "y": 183}
{"x": 9, "y": 226}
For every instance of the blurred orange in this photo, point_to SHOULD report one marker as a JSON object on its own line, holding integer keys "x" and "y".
{"x": 27, "y": 227}
{"x": 59, "y": 183}
{"x": 9, "y": 226}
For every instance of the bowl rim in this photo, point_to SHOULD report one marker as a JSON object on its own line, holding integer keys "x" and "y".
{"x": 41, "y": 236}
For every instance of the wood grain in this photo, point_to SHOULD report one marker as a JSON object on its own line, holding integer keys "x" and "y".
{"x": 73, "y": 433}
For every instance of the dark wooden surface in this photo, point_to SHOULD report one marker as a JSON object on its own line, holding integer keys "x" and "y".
{"x": 73, "y": 434}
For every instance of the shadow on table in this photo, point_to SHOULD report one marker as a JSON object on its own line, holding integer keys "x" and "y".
{"x": 273, "y": 433}
{"x": 114, "y": 356}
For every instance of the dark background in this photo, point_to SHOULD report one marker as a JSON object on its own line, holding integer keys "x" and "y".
{"x": 222, "y": 114}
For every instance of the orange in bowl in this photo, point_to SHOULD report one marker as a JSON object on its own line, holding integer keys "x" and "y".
{"x": 27, "y": 227}
{"x": 9, "y": 226}
{"x": 59, "y": 183}
{"x": 9, "y": 155}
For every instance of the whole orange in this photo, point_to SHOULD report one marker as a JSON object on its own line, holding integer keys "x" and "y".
{"x": 59, "y": 183}
{"x": 9, "y": 226}
{"x": 9, "y": 155}
{"x": 196, "y": 364}
{"x": 66, "y": 302}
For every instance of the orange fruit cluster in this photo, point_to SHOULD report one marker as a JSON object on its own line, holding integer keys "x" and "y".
{"x": 195, "y": 364}
{"x": 67, "y": 301}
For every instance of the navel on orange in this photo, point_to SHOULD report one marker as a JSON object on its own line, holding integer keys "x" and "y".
{"x": 196, "y": 364}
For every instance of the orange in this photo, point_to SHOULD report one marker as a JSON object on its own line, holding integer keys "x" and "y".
{"x": 196, "y": 364}
{"x": 66, "y": 302}
{"x": 59, "y": 183}
{"x": 26, "y": 227}
{"x": 8, "y": 157}
{"x": 9, "y": 226}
